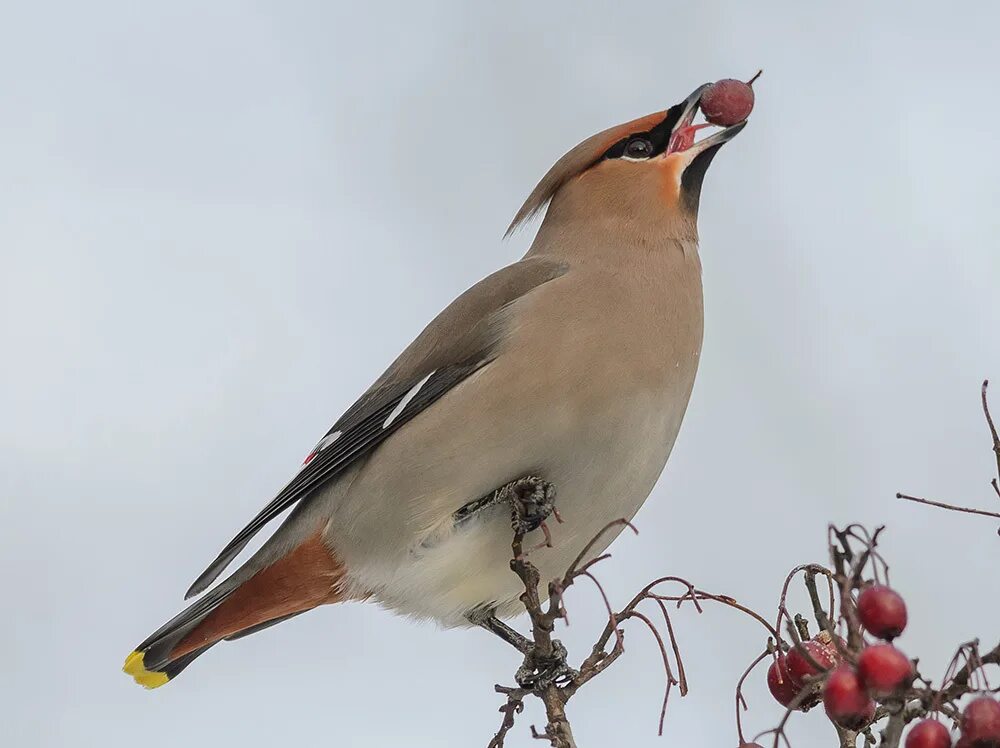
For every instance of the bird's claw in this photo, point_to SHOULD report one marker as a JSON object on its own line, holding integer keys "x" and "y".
{"x": 537, "y": 673}
{"x": 532, "y": 501}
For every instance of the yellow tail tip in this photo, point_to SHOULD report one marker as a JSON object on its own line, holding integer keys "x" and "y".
{"x": 135, "y": 667}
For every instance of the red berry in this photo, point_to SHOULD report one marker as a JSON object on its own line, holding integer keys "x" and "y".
{"x": 727, "y": 102}
{"x": 981, "y": 723}
{"x": 882, "y": 612}
{"x": 845, "y": 699}
{"x": 821, "y": 649}
{"x": 883, "y": 669}
{"x": 779, "y": 682}
{"x": 783, "y": 688}
{"x": 928, "y": 733}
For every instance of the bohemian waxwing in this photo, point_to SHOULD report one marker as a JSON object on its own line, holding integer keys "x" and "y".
{"x": 573, "y": 365}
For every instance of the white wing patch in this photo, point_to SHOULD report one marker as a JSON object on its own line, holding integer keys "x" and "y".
{"x": 405, "y": 401}
{"x": 323, "y": 443}
{"x": 326, "y": 441}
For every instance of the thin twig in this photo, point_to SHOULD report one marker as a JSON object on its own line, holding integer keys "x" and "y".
{"x": 671, "y": 680}
{"x": 681, "y": 675}
{"x": 959, "y": 685}
{"x": 993, "y": 432}
{"x": 950, "y": 507}
{"x": 741, "y": 703}
{"x": 514, "y": 706}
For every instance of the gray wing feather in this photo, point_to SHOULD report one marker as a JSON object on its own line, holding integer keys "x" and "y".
{"x": 359, "y": 435}
{"x": 461, "y": 340}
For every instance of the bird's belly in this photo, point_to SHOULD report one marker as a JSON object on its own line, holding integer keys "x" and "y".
{"x": 604, "y": 472}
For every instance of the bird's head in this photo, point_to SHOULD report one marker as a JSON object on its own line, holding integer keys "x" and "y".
{"x": 647, "y": 173}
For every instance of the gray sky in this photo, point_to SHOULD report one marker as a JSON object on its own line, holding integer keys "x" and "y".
{"x": 218, "y": 225}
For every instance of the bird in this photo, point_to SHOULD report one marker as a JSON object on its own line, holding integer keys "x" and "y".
{"x": 568, "y": 371}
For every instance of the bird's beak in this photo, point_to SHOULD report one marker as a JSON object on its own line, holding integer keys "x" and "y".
{"x": 683, "y": 132}
{"x": 692, "y": 159}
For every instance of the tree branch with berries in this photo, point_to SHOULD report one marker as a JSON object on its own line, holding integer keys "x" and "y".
{"x": 869, "y": 687}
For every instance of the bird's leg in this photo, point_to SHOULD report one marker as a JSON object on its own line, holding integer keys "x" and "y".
{"x": 531, "y": 499}
{"x": 490, "y": 622}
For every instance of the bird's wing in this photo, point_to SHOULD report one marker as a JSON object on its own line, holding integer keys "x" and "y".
{"x": 458, "y": 342}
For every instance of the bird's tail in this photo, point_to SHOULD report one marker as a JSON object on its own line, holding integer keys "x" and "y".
{"x": 307, "y": 576}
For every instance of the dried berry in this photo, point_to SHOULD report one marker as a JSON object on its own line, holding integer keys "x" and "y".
{"x": 821, "y": 649}
{"x": 845, "y": 699}
{"x": 882, "y": 612}
{"x": 883, "y": 669}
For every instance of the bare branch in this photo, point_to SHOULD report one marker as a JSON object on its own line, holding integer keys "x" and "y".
{"x": 741, "y": 703}
{"x": 514, "y": 706}
{"x": 856, "y": 563}
{"x": 950, "y": 507}
{"x": 671, "y": 681}
{"x": 993, "y": 432}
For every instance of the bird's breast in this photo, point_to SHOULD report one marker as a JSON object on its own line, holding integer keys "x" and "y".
{"x": 607, "y": 333}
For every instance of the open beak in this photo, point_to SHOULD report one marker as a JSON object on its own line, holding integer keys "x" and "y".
{"x": 683, "y": 133}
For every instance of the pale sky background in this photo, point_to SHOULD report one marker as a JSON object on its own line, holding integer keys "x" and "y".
{"x": 220, "y": 221}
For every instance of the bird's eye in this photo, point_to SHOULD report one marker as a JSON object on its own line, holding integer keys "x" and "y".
{"x": 640, "y": 147}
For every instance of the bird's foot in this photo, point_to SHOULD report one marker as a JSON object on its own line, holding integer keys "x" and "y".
{"x": 538, "y": 672}
{"x": 532, "y": 501}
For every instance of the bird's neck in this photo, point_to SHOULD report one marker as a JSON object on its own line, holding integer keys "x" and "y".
{"x": 611, "y": 238}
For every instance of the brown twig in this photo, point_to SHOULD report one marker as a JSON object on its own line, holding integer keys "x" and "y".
{"x": 671, "y": 680}
{"x": 741, "y": 703}
{"x": 694, "y": 595}
{"x": 681, "y": 675}
{"x": 995, "y": 446}
{"x": 959, "y": 684}
{"x": 823, "y": 619}
{"x": 557, "y": 731}
{"x": 950, "y": 507}
{"x": 545, "y": 673}
{"x": 513, "y": 707}
{"x": 993, "y": 433}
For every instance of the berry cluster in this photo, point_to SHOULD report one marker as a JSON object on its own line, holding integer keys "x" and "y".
{"x": 792, "y": 677}
{"x": 823, "y": 668}
{"x": 881, "y": 669}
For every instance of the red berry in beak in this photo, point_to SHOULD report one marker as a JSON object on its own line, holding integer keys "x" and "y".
{"x": 821, "y": 649}
{"x": 928, "y": 733}
{"x": 779, "y": 682}
{"x": 883, "y": 669}
{"x": 882, "y": 612}
{"x": 728, "y": 101}
{"x": 845, "y": 699}
{"x": 981, "y": 723}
